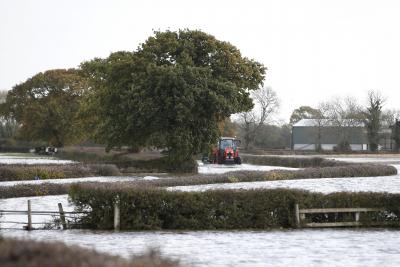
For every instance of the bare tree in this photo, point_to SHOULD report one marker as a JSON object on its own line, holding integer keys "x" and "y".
{"x": 344, "y": 114}
{"x": 373, "y": 118}
{"x": 266, "y": 103}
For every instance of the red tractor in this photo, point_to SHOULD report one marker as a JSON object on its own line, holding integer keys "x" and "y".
{"x": 227, "y": 152}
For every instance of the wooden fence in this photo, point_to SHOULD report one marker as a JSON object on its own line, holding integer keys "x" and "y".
{"x": 300, "y": 216}
{"x": 28, "y": 225}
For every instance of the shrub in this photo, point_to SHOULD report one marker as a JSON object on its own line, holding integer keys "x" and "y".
{"x": 295, "y": 162}
{"x": 152, "y": 208}
{"x": 105, "y": 169}
{"x": 14, "y": 172}
{"x": 29, "y": 190}
{"x": 32, "y": 253}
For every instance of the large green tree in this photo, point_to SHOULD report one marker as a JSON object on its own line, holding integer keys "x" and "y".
{"x": 303, "y": 112}
{"x": 46, "y": 106}
{"x": 171, "y": 93}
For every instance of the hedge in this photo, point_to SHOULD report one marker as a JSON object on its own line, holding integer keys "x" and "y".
{"x": 14, "y": 172}
{"x": 357, "y": 170}
{"x": 155, "y": 208}
{"x": 30, "y": 190}
{"x": 295, "y": 162}
{"x": 32, "y": 253}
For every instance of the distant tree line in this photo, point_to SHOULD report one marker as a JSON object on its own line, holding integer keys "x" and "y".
{"x": 345, "y": 113}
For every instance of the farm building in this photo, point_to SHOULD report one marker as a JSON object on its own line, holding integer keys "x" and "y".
{"x": 309, "y": 134}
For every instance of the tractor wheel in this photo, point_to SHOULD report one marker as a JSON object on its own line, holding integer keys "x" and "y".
{"x": 238, "y": 160}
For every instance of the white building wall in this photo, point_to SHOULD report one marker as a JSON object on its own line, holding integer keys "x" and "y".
{"x": 328, "y": 147}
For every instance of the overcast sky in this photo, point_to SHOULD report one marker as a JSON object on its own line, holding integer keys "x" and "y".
{"x": 314, "y": 50}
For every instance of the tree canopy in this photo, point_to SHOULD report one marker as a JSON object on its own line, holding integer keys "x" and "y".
{"x": 46, "y": 105}
{"x": 170, "y": 93}
{"x": 303, "y": 112}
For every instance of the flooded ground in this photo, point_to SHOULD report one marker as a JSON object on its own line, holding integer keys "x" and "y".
{"x": 304, "y": 247}
{"x": 27, "y": 158}
{"x": 218, "y": 169}
{"x": 317, "y": 247}
{"x": 390, "y": 184}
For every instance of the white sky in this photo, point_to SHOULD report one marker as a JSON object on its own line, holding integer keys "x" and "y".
{"x": 313, "y": 49}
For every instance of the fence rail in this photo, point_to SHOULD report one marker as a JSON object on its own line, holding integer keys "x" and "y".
{"x": 63, "y": 215}
{"x": 300, "y": 216}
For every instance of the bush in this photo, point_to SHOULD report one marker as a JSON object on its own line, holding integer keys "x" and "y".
{"x": 357, "y": 170}
{"x": 31, "y": 253}
{"x": 153, "y": 209}
{"x": 294, "y": 162}
{"x": 29, "y": 190}
{"x": 129, "y": 165}
{"x": 16, "y": 172}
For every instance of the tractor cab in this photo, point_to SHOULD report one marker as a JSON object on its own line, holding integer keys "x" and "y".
{"x": 226, "y": 152}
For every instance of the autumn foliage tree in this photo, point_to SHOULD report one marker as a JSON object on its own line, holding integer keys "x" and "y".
{"x": 45, "y": 106}
{"x": 170, "y": 93}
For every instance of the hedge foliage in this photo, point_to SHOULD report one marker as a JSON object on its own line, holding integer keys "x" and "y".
{"x": 32, "y": 253}
{"x": 287, "y": 161}
{"x": 30, "y": 190}
{"x": 14, "y": 172}
{"x": 155, "y": 208}
{"x": 357, "y": 170}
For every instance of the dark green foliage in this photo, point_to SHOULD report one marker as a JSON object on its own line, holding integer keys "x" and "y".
{"x": 150, "y": 208}
{"x": 20, "y": 253}
{"x": 46, "y": 106}
{"x": 304, "y": 112}
{"x": 171, "y": 93}
{"x": 10, "y": 172}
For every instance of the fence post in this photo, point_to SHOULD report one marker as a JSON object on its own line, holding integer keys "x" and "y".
{"x": 357, "y": 216}
{"x": 29, "y": 227}
{"x": 297, "y": 215}
{"x": 62, "y": 216}
{"x": 116, "y": 215}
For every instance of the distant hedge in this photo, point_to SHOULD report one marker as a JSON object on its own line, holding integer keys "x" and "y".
{"x": 153, "y": 209}
{"x": 295, "y": 162}
{"x": 14, "y": 172}
{"x": 32, "y": 253}
{"x": 30, "y": 190}
{"x": 356, "y": 170}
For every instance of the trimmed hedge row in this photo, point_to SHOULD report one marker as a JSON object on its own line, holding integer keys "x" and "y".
{"x": 14, "y": 172}
{"x": 153, "y": 209}
{"x": 357, "y": 170}
{"x": 30, "y": 190}
{"x": 32, "y": 253}
{"x": 295, "y": 162}
{"x": 130, "y": 165}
